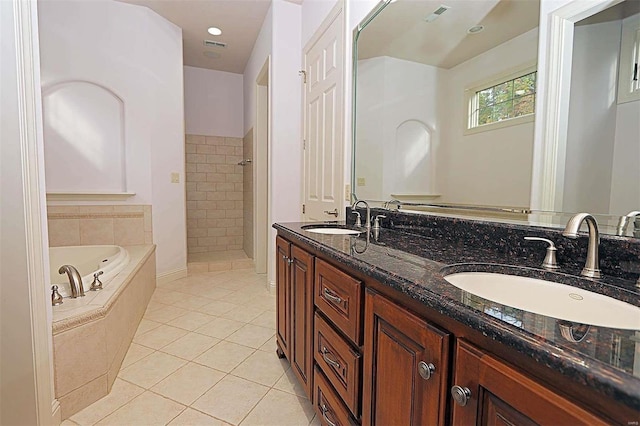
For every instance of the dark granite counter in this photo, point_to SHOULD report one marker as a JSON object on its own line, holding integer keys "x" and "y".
{"x": 414, "y": 259}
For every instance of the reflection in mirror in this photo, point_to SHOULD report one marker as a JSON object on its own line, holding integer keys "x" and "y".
{"x": 444, "y": 115}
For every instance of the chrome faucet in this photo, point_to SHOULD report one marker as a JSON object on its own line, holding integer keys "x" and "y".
{"x": 592, "y": 266}
{"x": 368, "y": 218}
{"x": 75, "y": 280}
{"x": 624, "y": 222}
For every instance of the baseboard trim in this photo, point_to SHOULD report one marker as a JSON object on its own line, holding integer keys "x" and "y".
{"x": 56, "y": 414}
{"x": 167, "y": 277}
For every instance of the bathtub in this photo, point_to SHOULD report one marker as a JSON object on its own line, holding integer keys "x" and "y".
{"x": 87, "y": 260}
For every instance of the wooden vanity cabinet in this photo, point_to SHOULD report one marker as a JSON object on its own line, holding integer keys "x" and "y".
{"x": 294, "y": 320}
{"x": 486, "y": 391}
{"x": 405, "y": 367}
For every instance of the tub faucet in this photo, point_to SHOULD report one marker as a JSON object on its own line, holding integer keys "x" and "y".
{"x": 624, "y": 222}
{"x": 75, "y": 280}
{"x": 592, "y": 266}
{"x": 368, "y": 218}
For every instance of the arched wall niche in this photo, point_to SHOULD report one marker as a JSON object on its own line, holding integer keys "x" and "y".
{"x": 84, "y": 138}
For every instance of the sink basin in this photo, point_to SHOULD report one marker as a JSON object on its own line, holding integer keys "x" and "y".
{"x": 550, "y": 299}
{"x": 332, "y": 230}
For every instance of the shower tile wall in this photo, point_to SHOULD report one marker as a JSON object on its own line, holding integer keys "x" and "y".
{"x": 247, "y": 146}
{"x": 214, "y": 193}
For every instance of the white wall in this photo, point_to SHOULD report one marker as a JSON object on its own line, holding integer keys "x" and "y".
{"x": 491, "y": 167}
{"x": 137, "y": 54}
{"x": 592, "y": 117}
{"x": 391, "y": 92}
{"x": 213, "y": 102}
{"x": 625, "y": 187}
{"x": 314, "y": 13}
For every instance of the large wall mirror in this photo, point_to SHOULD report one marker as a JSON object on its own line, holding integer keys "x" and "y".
{"x": 445, "y": 111}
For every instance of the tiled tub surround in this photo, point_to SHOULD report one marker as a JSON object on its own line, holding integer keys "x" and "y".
{"x": 410, "y": 258}
{"x": 123, "y": 225}
{"x": 91, "y": 335}
{"x": 214, "y": 193}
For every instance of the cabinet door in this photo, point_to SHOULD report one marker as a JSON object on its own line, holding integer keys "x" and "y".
{"x": 283, "y": 299}
{"x": 405, "y": 367}
{"x": 301, "y": 343}
{"x": 494, "y": 393}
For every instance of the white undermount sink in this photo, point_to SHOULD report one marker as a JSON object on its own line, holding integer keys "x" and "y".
{"x": 550, "y": 299}
{"x": 332, "y": 231}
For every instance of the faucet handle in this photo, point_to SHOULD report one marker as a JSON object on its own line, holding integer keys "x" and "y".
{"x": 96, "y": 284}
{"x": 376, "y": 221}
{"x": 549, "y": 261}
{"x": 358, "y": 220}
{"x": 56, "y": 297}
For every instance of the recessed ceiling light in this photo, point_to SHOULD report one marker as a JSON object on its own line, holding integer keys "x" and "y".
{"x": 211, "y": 54}
{"x": 475, "y": 29}
{"x": 214, "y": 31}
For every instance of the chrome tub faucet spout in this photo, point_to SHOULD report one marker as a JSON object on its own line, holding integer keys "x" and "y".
{"x": 75, "y": 280}
{"x": 592, "y": 266}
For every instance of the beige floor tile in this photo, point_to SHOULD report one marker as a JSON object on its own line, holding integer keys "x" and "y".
{"x": 243, "y": 314}
{"x": 189, "y": 301}
{"x": 190, "y": 346}
{"x": 220, "y": 328}
{"x": 216, "y": 307}
{"x": 165, "y": 314}
{"x": 270, "y": 346}
{"x": 151, "y": 369}
{"x": 165, "y": 296}
{"x": 146, "y": 409}
{"x": 224, "y": 356}
{"x": 261, "y": 367}
{"x": 191, "y": 320}
{"x": 233, "y": 284}
{"x": 68, "y": 423}
{"x": 160, "y": 336}
{"x": 265, "y": 302}
{"x": 280, "y": 409}
{"x": 251, "y": 335}
{"x": 135, "y": 353}
{"x": 266, "y": 319}
{"x": 231, "y": 399}
{"x": 191, "y": 417}
{"x": 188, "y": 383}
{"x": 146, "y": 325}
{"x": 316, "y": 421}
{"x": 289, "y": 383}
{"x": 154, "y": 305}
{"x": 121, "y": 393}
{"x": 206, "y": 290}
{"x": 239, "y": 297}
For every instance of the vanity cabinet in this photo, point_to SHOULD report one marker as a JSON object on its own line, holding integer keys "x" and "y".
{"x": 405, "y": 366}
{"x": 294, "y": 320}
{"x": 486, "y": 391}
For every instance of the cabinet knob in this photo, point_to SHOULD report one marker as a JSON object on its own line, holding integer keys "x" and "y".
{"x": 426, "y": 370}
{"x": 460, "y": 395}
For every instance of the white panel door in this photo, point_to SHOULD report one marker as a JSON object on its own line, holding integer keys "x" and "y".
{"x": 323, "y": 126}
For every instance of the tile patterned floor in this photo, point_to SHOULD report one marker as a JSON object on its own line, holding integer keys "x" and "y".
{"x": 204, "y": 354}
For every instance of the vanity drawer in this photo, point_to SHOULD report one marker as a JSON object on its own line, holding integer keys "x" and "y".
{"x": 339, "y": 362}
{"x": 330, "y": 409}
{"x": 339, "y": 297}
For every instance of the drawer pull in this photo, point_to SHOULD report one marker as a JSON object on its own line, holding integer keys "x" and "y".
{"x": 325, "y": 410}
{"x": 328, "y": 294}
{"x": 461, "y": 395}
{"x": 325, "y": 356}
{"x": 426, "y": 370}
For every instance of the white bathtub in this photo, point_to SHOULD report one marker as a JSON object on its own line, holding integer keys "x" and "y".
{"x": 87, "y": 260}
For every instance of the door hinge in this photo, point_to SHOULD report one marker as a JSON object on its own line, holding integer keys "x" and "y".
{"x": 304, "y": 144}
{"x": 303, "y": 209}
{"x": 303, "y": 73}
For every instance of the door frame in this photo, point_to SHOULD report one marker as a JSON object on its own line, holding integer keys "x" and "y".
{"x": 262, "y": 166}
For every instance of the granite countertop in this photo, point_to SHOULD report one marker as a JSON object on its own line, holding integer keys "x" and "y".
{"x": 607, "y": 360}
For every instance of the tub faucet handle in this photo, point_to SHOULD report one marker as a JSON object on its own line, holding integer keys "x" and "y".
{"x": 549, "y": 261}
{"x": 96, "y": 284}
{"x": 56, "y": 297}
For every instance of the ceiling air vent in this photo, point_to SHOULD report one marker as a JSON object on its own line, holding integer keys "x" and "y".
{"x": 436, "y": 13}
{"x": 212, "y": 43}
